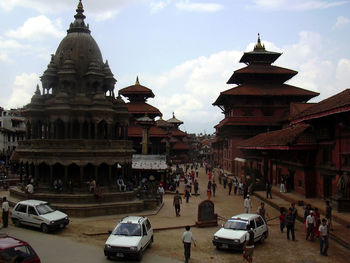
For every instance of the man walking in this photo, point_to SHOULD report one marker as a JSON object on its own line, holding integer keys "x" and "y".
{"x": 329, "y": 215}
{"x": 177, "y": 202}
{"x": 262, "y": 211}
{"x": 229, "y": 187}
{"x": 187, "y": 239}
{"x": 289, "y": 221}
{"x": 310, "y": 223}
{"x": 247, "y": 204}
{"x": 248, "y": 247}
{"x": 161, "y": 193}
{"x": 268, "y": 189}
{"x": 213, "y": 186}
{"x": 323, "y": 237}
{"x": 5, "y": 212}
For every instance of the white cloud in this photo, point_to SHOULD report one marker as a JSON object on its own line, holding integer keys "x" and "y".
{"x": 157, "y": 6}
{"x": 37, "y": 28}
{"x": 187, "y": 5}
{"x": 341, "y": 21}
{"x": 8, "y": 47}
{"x": 297, "y": 5}
{"x": 103, "y": 16}
{"x": 22, "y": 91}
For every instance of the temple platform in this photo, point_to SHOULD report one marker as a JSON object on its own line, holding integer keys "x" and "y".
{"x": 86, "y": 204}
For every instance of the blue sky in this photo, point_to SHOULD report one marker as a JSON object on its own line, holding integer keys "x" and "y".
{"x": 184, "y": 50}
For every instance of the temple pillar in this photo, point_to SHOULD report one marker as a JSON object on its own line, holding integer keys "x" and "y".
{"x": 89, "y": 131}
{"x": 81, "y": 124}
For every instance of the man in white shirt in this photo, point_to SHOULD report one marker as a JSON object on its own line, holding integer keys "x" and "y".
{"x": 187, "y": 239}
{"x": 5, "y": 212}
{"x": 310, "y": 224}
{"x": 29, "y": 189}
{"x": 161, "y": 193}
{"x": 247, "y": 204}
{"x": 121, "y": 185}
{"x": 323, "y": 229}
{"x": 248, "y": 248}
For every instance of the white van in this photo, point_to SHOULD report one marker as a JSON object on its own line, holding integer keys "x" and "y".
{"x": 38, "y": 214}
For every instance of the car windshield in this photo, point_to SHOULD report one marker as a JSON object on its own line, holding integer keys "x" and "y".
{"x": 236, "y": 225}
{"x": 44, "y": 209}
{"x": 20, "y": 252}
{"x": 127, "y": 229}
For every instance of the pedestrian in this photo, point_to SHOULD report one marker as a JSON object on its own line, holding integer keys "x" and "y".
{"x": 248, "y": 247}
{"x": 247, "y": 204}
{"x": 323, "y": 229}
{"x": 294, "y": 211}
{"x": 240, "y": 188}
{"x": 289, "y": 220}
{"x": 161, "y": 193}
{"x": 229, "y": 187}
{"x": 310, "y": 226}
{"x": 329, "y": 215}
{"x": 197, "y": 171}
{"x": 209, "y": 190}
{"x": 5, "y": 212}
{"x": 307, "y": 212}
{"x": 262, "y": 211}
{"x": 187, "y": 194}
{"x": 187, "y": 239}
{"x": 317, "y": 222}
{"x": 235, "y": 186}
{"x": 225, "y": 180}
{"x": 282, "y": 219}
{"x": 213, "y": 187}
{"x": 177, "y": 203}
{"x": 268, "y": 189}
{"x": 195, "y": 187}
{"x": 282, "y": 186}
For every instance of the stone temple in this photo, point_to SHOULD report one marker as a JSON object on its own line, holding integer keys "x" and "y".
{"x": 77, "y": 129}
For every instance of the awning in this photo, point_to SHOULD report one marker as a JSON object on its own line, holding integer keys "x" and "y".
{"x": 149, "y": 162}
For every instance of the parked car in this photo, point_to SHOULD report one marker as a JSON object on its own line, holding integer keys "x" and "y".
{"x": 130, "y": 238}
{"x": 15, "y": 250}
{"x": 38, "y": 214}
{"x": 232, "y": 234}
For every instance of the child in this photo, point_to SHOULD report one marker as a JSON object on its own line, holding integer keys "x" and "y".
{"x": 282, "y": 215}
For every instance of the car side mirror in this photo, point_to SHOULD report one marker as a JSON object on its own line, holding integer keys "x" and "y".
{"x": 109, "y": 231}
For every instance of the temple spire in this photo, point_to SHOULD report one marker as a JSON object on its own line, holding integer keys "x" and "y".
{"x": 259, "y": 46}
{"x": 79, "y": 25}
{"x": 137, "y": 81}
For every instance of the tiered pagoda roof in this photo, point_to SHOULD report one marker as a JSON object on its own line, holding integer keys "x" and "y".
{"x": 137, "y": 92}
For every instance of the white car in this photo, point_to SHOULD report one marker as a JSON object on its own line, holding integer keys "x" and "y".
{"x": 38, "y": 214}
{"x": 131, "y": 236}
{"x": 232, "y": 234}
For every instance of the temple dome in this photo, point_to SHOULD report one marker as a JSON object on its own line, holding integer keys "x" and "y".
{"x": 78, "y": 46}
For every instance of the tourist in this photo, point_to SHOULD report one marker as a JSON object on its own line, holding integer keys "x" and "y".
{"x": 329, "y": 215}
{"x": 195, "y": 186}
{"x": 282, "y": 219}
{"x": 197, "y": 171}
{"x": 282, "y": 186}
{"x": 248, "y": 247}
{"x": 187, "y": 239}
{"x": 262, "y": 211}
{"x": 209, "y": 190}
{"x": 177, "y": 203}
{"x": 323, "y": 229}
{"x": 213, "y": 187}
{"x": 5, "y": 212}
{"x": 310, "y": 226}
{"x": 229, "y": 187}
{"x": 289, "y": 221}
{"x": 160, "y": 192}
{"x": 247, "y": 204}
{"x": 268, "y": 189}
{"x": 121, "y": 185}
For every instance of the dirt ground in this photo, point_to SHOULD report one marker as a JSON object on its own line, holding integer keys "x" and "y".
{"x": 168, "y": 242}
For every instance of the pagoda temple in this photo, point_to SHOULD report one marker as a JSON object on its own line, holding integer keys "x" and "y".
{"x": 259, "y": 102}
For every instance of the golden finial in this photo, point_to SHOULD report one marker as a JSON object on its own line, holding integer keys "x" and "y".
{"x": 258, "y": 44}
{"x": 137, "y": 81}
{"x": 80, "y": 5}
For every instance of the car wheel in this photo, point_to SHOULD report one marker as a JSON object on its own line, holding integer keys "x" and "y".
{"x": 139, "y": 255}
{"x": 262, "y": 239}
{"x": 217, "y": 247}
{"x": 16, "y": 222}
{"x": 109, "y": 257}
{"x": 44, "y": 228}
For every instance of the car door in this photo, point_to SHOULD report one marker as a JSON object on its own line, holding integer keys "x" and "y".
{"x": 33, "y": 216}
{"x": 260, "y": 226}
{"x": 149, "y": 231}
{"x": 253, "y": 226}
{"x": 144, "y": 238}
{"x": 21, "y": 213}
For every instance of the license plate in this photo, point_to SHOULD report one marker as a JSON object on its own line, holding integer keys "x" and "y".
{"x": 120, "y": 255}
{"x": 224, "y": 246}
